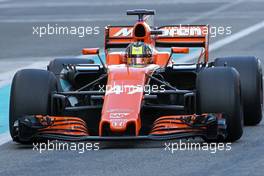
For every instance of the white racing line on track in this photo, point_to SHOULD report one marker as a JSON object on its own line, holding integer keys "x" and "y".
{"x": 4, "y": 138}
{"x": 236, "y": 36}
{"x": 95, "y": 3}
{"x": 6, "y": 78}
{"x": 212, "y": 12}
{"x": 102, "y": 17}
{"x": 232, "y": 38}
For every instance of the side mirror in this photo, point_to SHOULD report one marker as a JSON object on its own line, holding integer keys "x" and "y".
{"x": 90, "y": 51}
{"x": 179, "y": 50}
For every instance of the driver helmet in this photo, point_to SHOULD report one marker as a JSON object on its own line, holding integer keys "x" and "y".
{"x": 138, "y": 53}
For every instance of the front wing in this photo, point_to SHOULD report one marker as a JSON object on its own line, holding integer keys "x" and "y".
{"x": 38, "y": 127}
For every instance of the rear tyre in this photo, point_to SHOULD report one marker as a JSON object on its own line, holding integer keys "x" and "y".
{"x": 30, "y": 94}
{"x": 250, "y": 72}
{"x": 218, "y": 91}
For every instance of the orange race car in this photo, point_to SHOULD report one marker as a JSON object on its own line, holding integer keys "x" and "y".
{"x": 141, "y": 91}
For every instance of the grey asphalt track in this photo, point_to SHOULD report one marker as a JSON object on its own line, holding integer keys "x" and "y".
{"x": 19, "y": 47}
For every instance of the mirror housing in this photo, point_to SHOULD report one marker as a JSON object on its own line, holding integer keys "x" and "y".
{"x": 182, "y": 50}
{"x": 90, "y": 51}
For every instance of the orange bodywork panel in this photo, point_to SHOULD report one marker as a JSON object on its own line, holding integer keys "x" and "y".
{"x": 123, "y": 98}
{"x": 90, "y": 51}
{"x": 161, "y": 58}
{"x": 114, "y": 58}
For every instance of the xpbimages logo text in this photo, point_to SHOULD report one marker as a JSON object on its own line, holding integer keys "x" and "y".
{"x": 78, "y": 31}
{"x": 213, "y": 147}
{"x": 79, "y": 147}
{"x": 131, "y": 89}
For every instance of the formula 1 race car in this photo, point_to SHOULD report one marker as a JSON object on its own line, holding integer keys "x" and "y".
{"x": 140, "y": 90}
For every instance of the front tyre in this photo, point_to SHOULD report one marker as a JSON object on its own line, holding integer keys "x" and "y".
{"x": 30, "y": 95}
{"x": 218, "y": 91}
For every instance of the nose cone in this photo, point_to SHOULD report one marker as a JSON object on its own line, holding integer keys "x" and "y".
{"x": 122, "y": 101}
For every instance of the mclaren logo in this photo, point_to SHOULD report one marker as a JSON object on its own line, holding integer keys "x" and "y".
{"x": 124, "y": 32}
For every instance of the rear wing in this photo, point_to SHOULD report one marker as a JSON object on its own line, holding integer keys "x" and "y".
{"x": 184, "y": 36}
{"x": 173, "y": 36}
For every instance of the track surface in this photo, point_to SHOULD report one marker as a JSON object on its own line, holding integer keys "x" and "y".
{"x": 20, "y": 48}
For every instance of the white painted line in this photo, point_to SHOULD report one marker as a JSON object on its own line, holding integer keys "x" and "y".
{"x": 118, "y": 18}
{"x": 6, "y": 78}
{"x": 82, "y": 4}
{"x": 212, "y": 12}
{"x": 4, "y": 138}
{"x": 236, "y": 36}
{"x": 101, "y": 17}
{"x": 223, "y": 42}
